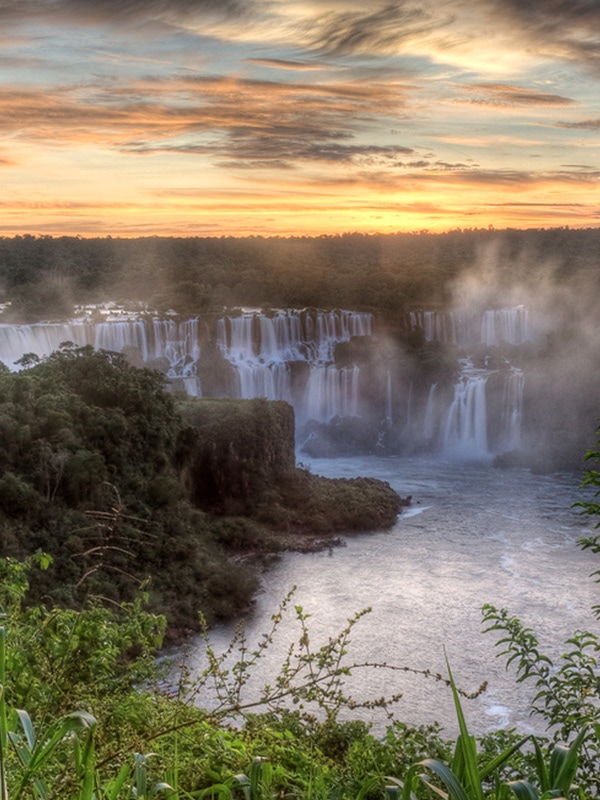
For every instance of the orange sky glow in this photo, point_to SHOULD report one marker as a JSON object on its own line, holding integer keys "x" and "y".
{"x": 297, "y": 117}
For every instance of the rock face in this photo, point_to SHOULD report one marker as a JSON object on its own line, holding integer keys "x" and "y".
{"x": 240, "y": 449}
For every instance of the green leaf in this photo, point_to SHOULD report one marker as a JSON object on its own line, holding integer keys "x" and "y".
{"x": 112, "y": 789}
{"x": 465, "y": 746}
{"x": 563, "y": 763}
{"x": 523, "y": 790}
{"x": 27, "y": 726}
{"x": 455, "y": 790}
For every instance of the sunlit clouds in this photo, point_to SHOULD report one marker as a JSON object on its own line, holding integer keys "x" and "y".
{"x": 297, "y": 117}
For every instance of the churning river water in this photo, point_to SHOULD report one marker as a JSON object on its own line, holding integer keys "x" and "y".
{"x": 473, "y": 535}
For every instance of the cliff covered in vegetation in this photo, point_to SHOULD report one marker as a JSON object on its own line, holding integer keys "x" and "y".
{"x": 121, "y": 483}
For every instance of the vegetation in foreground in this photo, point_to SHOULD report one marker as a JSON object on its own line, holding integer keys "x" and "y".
{"x": 101, "y": 724}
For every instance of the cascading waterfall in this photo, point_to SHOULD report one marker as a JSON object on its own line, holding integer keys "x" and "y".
{"x": 289, "y": 355}
{"x": 464, "y": 328}
{"x": 464, "y": 427}
{"x": 505, "y": 325}
{"x": 512, "y": 408}
{"x": 430, "y": 414}
{"x": 261, "y": 348}
{"x": 388, "y": 419}
{"x": 40, "y": 339}
{"x": 331, "y": 392}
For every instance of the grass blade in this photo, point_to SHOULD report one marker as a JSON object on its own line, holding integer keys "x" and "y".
{"x": 522, "y": 790}
{"x": 3, "y": 716}
{"x": 466, "y": 745}
{"x": 455, "y": 790}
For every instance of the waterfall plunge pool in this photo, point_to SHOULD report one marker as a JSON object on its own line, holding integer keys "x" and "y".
{"x": 473, "y": 535}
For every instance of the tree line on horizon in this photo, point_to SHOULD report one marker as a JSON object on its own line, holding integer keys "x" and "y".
{"x": 44, "y": 277}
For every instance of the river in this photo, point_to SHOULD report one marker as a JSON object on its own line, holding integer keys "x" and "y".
{"x": 473, "y": 535}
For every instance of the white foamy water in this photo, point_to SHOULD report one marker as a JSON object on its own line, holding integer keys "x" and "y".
{"x": 473, "y": 535}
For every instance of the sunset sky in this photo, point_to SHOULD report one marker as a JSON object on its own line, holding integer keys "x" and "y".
{"x": 237, "y": 117}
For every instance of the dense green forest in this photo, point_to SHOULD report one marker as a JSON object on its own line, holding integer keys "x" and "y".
{"x": 122, "y": 481}
{"x": 44, "y": 276}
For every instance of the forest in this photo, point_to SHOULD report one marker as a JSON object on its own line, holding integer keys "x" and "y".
{"x": 121, "y": 481}
{"x": 132, "y": 514}
{"x": 44, "y": 277}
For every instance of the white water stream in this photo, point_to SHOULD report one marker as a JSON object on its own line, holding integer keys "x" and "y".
{"x": 473, "y": 535}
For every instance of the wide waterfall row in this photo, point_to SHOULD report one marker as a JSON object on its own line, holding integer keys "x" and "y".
{"x": 291, "y": 356}
{"x": 466, "y": 329}
{"x": 284, "y": 337}
{"x": 262, "y": 350}
{"x": 154, "y": 338}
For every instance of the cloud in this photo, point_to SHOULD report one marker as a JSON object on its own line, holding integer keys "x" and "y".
{"x": 113, "y": 11}
{"x": 583, "y": 125}
{"x": 504, "y": 94}
{"x": 229, "y": 120}
{"x": 553, "y": 15}
{"x": 281, "y": 63}
{"x": 378, "y": 31}
{"x": 568, "y": 29}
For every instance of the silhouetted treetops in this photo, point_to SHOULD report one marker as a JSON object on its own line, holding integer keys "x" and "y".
{"x": 44, "y": 276}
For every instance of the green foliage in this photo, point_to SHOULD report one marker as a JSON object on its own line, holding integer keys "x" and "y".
{"x": 56, "y": 656}
{"x": 130, "y": 738}
{"x": 90, "y": 460}
{"x": 188, "y": 275}
{"x": 465, "y": 778}
{"x": 567, "y": 691}
{"x": 556, "y": 778}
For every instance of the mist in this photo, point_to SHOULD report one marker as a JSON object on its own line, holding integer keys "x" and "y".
{"x": 468, "y": 345}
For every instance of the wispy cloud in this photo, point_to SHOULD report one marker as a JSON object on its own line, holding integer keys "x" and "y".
{"x": 368, "y": 113}
{"x": 115, "y": 11}
{"x": 583, "y": 125}
{"x": 502, "y": 94}
{"x": 375, "y": 30}
{"x": 563, "y": 29}
{"x": 256, "y": 121}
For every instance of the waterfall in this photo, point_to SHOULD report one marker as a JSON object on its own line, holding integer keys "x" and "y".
{"x": 260, "y": 348}
{"x": 439, "y": 326}
{"x": 430, "y": 417}
{"x": 512, "y": 404}
{"x": 42, "y": 339}
{"x": 505, "y": 324}
{"x": 331, "y": 392}
{"x": 261, "y": 380}
{"x": 388, "y": 400}
{"x": 464, "y": 327}
{"x": 464, "y": 427}
{"x": 290, "y": 355}
{"x": 120, "y": 334}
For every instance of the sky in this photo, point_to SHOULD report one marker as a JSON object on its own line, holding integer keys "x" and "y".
{"x": 297, "y": 117}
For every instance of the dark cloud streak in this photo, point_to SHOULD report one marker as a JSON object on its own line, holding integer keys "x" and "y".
{"x": 570, "y": 27}
{"x": 379, "y": 31}
{"x": 503, "y": 94}
{"x": 584, "y": 125}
